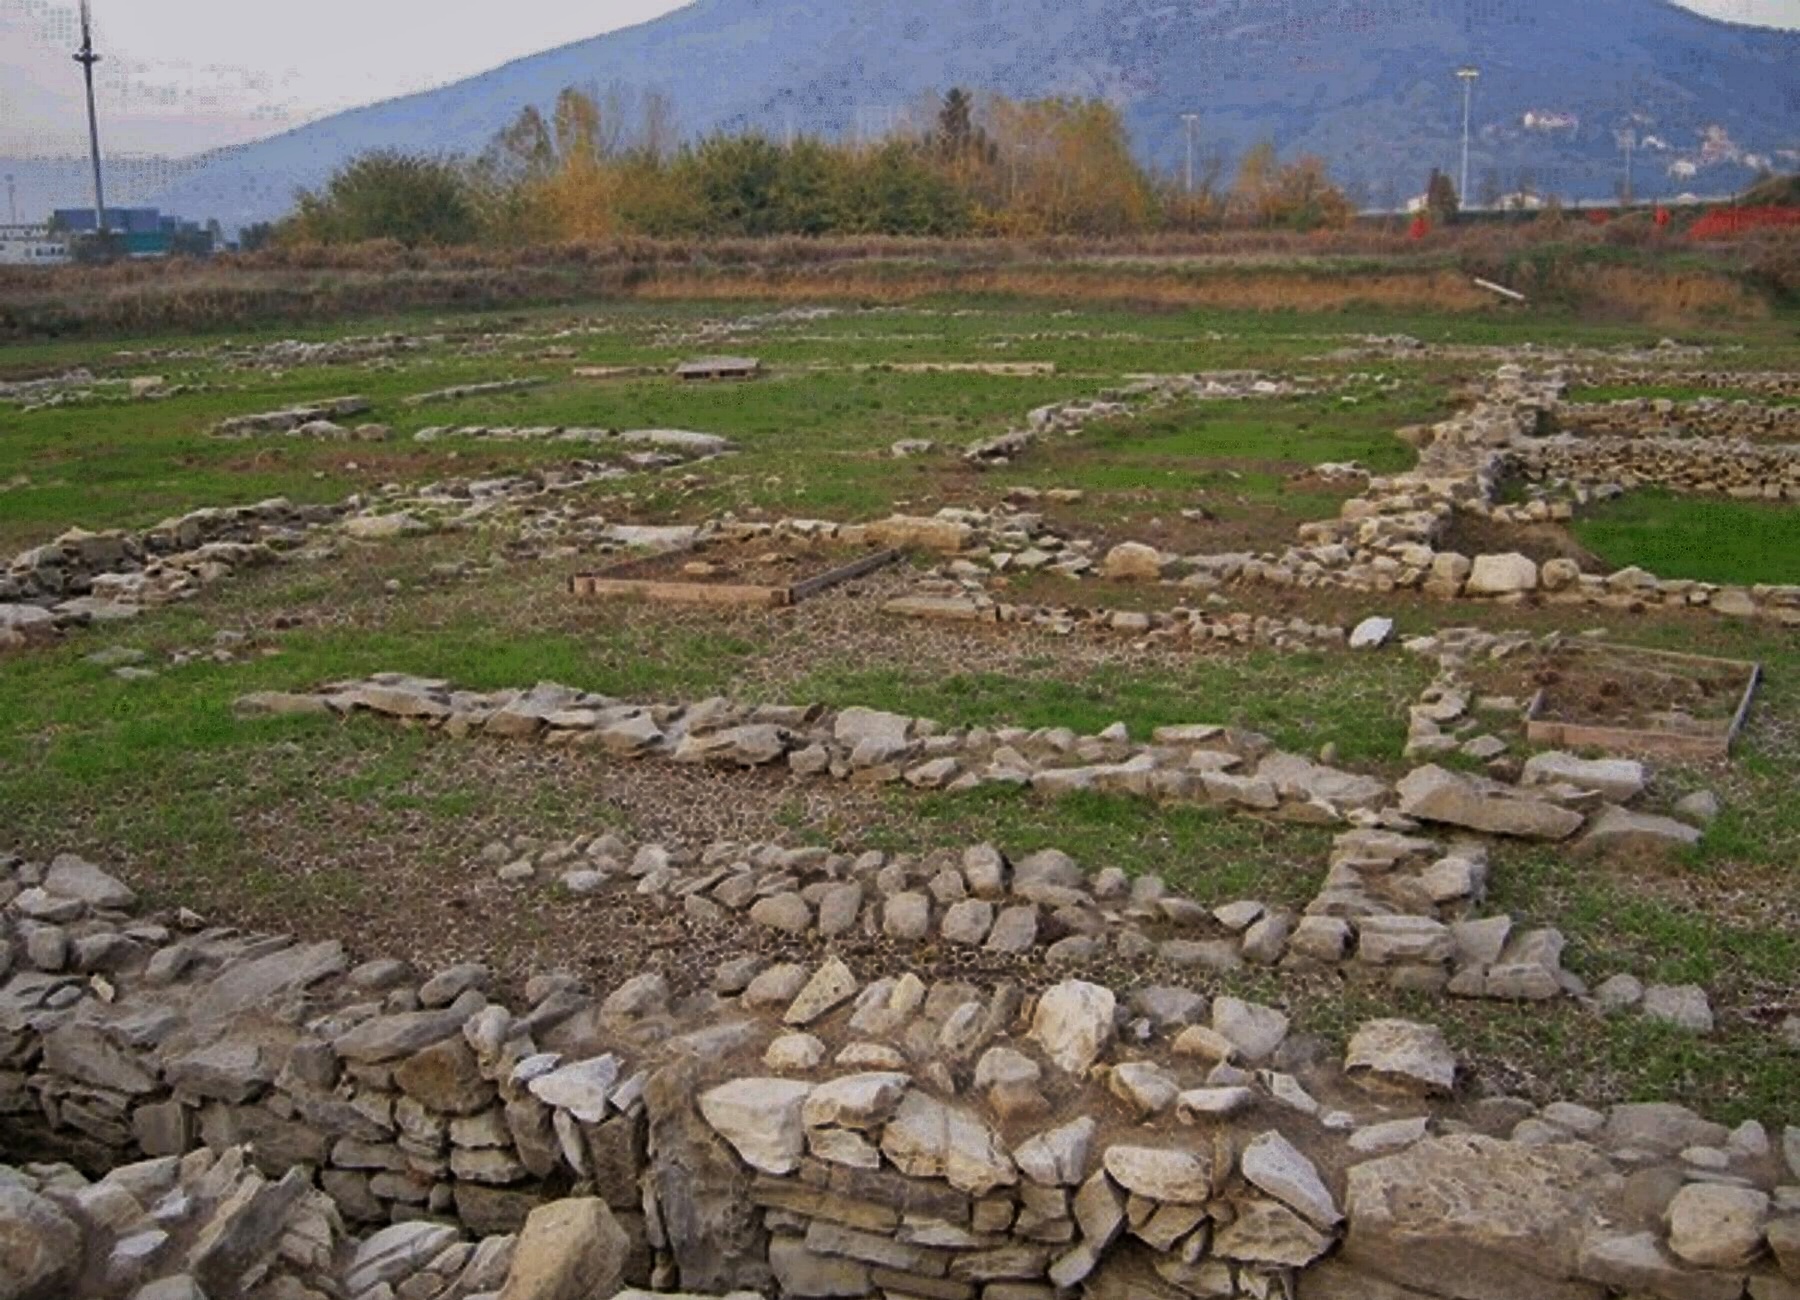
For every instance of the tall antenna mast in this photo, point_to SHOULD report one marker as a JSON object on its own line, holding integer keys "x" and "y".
{"x": 87, "y": 59}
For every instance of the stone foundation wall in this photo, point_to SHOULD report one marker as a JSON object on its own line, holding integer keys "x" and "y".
{"x": 1764, "y": 383}
{"x": 1655, "y": 417}
{"x": 1736, "y": 468}
{"x": 117, "y": 565}
{"x": 811, "y": 1132}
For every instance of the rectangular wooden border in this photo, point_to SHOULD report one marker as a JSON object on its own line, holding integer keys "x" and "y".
{"x": 1673, "y": 744}
{"x": 683, "y": 593}
{"x": 598, "y": 585}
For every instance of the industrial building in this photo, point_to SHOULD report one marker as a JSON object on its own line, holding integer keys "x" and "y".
{"x": 32, "y": 246}
{"x": 146, "y": 232}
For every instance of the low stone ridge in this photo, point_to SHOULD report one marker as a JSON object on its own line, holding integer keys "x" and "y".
{"x": 488, "y": 388}
{"x": 1393, "y": 908}
{"x": 1142, "y": 395}
{"x": 1199, "y": 763}
{"x": 291, "y": 419}
{"x": 81, "y": 386}
{"x": 923, "y": 1139}
{"x": 666, "y": 447}
{"x": 1205, "y": 764}
{"x": 964, "y": 600}
{"x": 83, "y": 577}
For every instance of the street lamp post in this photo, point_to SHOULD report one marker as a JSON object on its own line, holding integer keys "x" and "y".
{"x": 1467, "y": 74}
{"x": 1192, "y": 120}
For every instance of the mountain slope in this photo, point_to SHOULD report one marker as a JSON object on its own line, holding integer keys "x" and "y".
{"x": 1367, "y": 83}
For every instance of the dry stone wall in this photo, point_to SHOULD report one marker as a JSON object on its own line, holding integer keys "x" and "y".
{"x": 1392, "y": 536}
{"x": 1728, "y": 467}
{"x": 810, "y": 1131}
{"x": 1764, "y": 383}
{"x": 1739, "y": 420}
{"x": 160, "y": 563}
{"x": 1198, "y": 763}
{"x": 1395, "y": 906}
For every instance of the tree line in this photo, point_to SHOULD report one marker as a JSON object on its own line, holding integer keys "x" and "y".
{"x": 605, "y": 166}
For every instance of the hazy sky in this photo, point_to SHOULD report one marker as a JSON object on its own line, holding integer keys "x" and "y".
{"x": 180, "y": 76}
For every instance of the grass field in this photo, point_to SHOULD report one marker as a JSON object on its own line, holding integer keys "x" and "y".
{"x": 1694, "y": 537}
{"x": 306, "y": 825}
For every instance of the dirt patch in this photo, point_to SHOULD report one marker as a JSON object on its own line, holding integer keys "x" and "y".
{"x": 1217, "y": 521}
{"x": 757, "y": 562}
{"x": 1471, "y": 534}
{"x": 1621, "y": 689}
{"x": 383, "y": 463}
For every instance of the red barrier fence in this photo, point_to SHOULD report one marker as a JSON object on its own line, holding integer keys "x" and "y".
{"x": 1725, "y": 223}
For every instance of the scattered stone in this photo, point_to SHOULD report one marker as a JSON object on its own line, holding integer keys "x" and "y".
{"x": 1435, "y": 794}
{"x": 1499, "y": 1217}
{"x": 1684, "y": 1006}
{"x": 1618, "y": 779}
{"x": 1502, "y": 575}
{"x": 1619, "y": 993}
{"x": 831, "y": 986}
{"x": 1621, "y": 834}
{"x": 1401, "y": 1055}
{"x": 1256, "y": 1032}
{"x": 1701, "y": 808}
{"x": 40, "y": 1246}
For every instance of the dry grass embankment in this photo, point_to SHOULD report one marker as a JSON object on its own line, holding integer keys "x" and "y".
{"x": 1571, "y": 267}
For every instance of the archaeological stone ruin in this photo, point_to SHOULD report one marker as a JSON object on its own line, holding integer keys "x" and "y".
{"x": 886, "y": 1061}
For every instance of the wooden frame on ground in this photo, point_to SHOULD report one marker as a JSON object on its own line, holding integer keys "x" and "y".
{"x": 1714, "y": 743}
{"x": 615, "y": 582}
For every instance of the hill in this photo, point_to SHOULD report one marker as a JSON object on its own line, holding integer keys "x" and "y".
{"x": 1366, "y": 83}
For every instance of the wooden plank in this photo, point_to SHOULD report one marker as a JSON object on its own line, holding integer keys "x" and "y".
{"x": 843, "y": 573}
{"x": 688, "y": 593}
{"x": 1743, "y": 709}
{"x": 714, "y": 368}
{"x": 1512, "y": 294}
{"x": 1671, "y": 744}
{"x": 605, "y": 584}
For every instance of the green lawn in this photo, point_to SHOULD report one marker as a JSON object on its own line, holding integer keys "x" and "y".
{"x": 1703, "y": 538}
